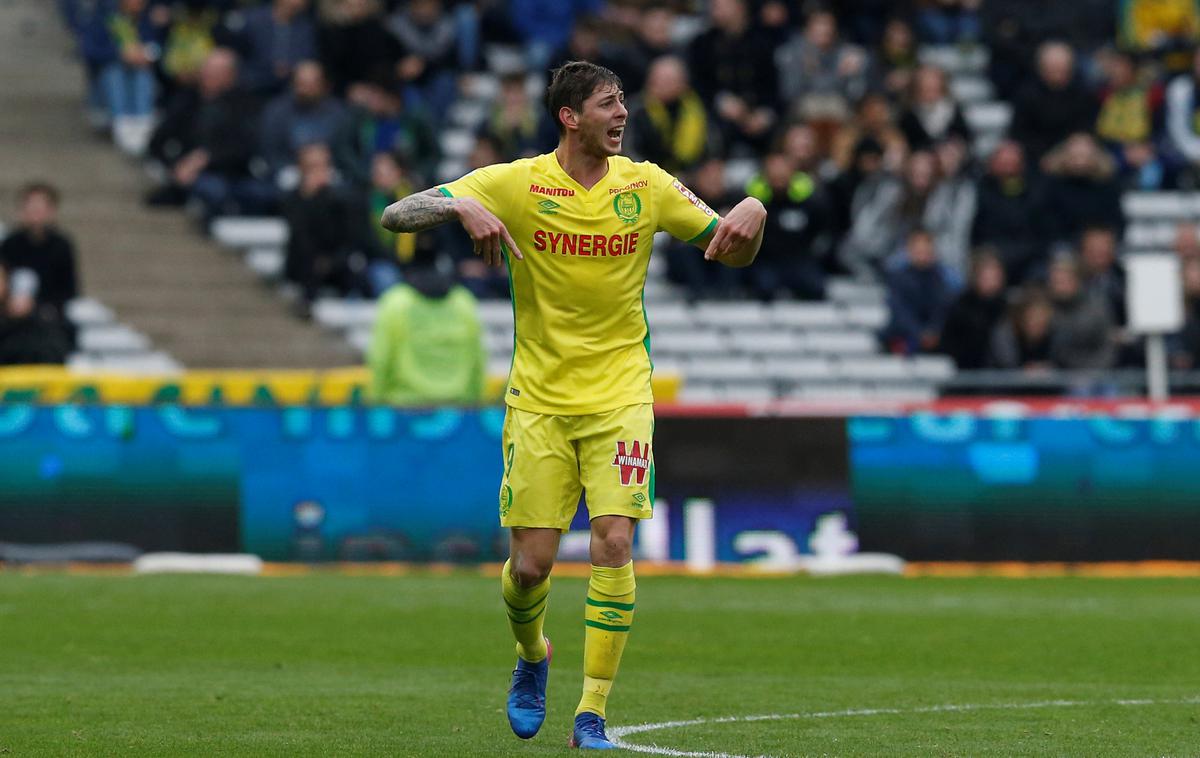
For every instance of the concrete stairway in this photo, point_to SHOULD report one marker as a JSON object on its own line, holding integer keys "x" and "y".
{"x": 194, "y": 300}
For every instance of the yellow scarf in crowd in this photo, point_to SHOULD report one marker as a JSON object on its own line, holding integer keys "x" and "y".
{"x": 688, "y": 134}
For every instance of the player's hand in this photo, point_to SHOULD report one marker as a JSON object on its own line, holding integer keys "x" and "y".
{"x": 737, "y": 229}
{"x": 488, "y": 233}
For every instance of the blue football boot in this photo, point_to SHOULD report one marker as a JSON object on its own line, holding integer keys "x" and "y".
{"x": 527, "y": 695}
{"x": 589, "y": 733}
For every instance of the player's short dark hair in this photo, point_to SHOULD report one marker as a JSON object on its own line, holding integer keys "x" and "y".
{"x": 46, "y": 189}
{"x": 574, "y": 82}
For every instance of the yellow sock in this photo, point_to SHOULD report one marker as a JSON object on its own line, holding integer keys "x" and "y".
{"x": 526, "y": 609}
{"x": 607, "y": 618}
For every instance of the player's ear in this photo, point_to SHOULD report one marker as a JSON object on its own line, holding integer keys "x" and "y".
{"x": 568, "y": 117}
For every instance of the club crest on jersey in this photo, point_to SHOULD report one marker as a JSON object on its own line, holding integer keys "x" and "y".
{"x": 628, "y": 207}
{"x": 632, "y": 462}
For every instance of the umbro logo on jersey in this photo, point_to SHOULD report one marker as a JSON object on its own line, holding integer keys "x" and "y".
{"x": 548, "y": 206}
{"x": 538, "y": 189}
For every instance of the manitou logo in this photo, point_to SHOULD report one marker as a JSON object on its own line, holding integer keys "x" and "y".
{"x": 628, "y": 461}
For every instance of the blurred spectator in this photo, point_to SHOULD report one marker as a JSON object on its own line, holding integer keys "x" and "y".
{"x": 322, "y": 230}
{"x": 1022, "y": 341}
{"x": 386, "y": 250}
{"x": 656, "y": 32}
{"x": 26, "y": 337}
{"x": 482, "y": 280}
{"x": 1082, "y": 330}
{"x": 948, "y": 22}
{"x": 884, "y": 210}
{"x": 1169, "y": 29}
{"x": 128, "y": 75}
{"x": 1184, "y": 347}
{"x": 378, "y": 122}
{"x": 920, "y": 293}
{"x": 189, "y": 40}
{"x": 1053, "y": 106}
{"x": 865, "y": 20}
{"x": 685, "y": 264}
{"x": 1010, "y": 213}
{"x": 518, "y": 124}
{"x": 1187, "y": 241}
{"x": 668, "y": 123}
{"x": 1129, "y": 122}
{"x": 896, "y": 59}
{"x": 976, "y": 313}
{"x": 1082, "y": 189}
{"x": 799, "y": 142}
{"x": 932, "y": 115}
{"x": 950, "y": 211}
{"x": 732, "y": 66}
{"x": 39, "y": 247}
{"x": 873, "y": 119}
{"x": 865, "y": 169}
{"x": 272, "y": 40}
{"x": 306, "y": 115}
{"x": 1101, "y": 271}
{"x": 819, "y": 75}
{"x": 354, "y": 43}
{"x": 206, "y": 140}
{"x": 586, "y": 43}
{"x": 427, "y": 344}
{"x": 545, "y": 25}
{"x": 1182, "y": 127}
{"x": 795, "y": 238}
{"x": 429, "y": 38}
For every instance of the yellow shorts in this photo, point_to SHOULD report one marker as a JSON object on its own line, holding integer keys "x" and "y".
{"x": 550, "y": 460}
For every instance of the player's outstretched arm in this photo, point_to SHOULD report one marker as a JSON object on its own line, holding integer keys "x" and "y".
{"x": 738, "y": 235}
{"x": 424, "y": 210}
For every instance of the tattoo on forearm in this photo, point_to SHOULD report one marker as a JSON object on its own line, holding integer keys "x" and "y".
{"x": 418, "y": 212}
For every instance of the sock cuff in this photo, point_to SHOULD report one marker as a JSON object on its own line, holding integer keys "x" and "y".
{"x": 613, "y": 582}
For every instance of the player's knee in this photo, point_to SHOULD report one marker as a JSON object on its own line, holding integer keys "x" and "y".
{"x": 527, "y": 572}
{"x": 613, "y": 550}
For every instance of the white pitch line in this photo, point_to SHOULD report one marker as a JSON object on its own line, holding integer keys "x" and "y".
{"x": 618, "y": 733}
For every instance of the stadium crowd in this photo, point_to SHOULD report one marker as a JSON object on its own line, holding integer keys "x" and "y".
{"x": 324, "y": 112}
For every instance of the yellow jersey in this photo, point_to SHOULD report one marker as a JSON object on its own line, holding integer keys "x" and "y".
{"x": 582, "y": 342}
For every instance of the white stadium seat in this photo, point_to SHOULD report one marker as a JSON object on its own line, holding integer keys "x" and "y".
{"x": 731, "y": 315}
{"x": 86, "y": 310}
{"x": 804, "y": 315}
{"x": 343, "y": 314}
{"x": 988, "y": 117}
{"x": 249, "y": 231}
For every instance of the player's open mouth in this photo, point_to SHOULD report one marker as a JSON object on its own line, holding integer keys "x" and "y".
{"x": 614, "y": 135}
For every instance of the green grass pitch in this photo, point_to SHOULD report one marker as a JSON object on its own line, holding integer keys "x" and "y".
{"x": 327, "y": 665}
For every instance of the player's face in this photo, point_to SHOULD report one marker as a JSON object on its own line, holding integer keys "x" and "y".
{"x": 602, "y": 122}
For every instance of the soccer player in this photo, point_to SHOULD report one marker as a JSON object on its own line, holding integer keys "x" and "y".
{"x": 576, "y": 227}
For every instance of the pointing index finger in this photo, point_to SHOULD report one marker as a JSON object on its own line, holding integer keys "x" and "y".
{"x": 512, "y": 245}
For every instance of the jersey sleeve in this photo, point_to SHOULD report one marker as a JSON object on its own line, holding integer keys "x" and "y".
{"x": 681, "y": 213}
{"x": 489, "y": 185}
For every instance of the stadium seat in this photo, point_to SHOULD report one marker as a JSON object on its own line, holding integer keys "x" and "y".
{"x": 969, "y": 89}
{"x": 993, "y": 117}
{"x": 766, "y": 341}
{"x": 670, "y": 316}
{"x": 804, "y": 315}
{"x": 496, "y": 314}
{"x": 1147, "y": 206}
{"x": 343, "y": 314}
{"x": 955, "y": 59}
{"x": 457, "y": 143}
{"x": 112, "y": 339}
{"x": 724, "y": 368}
{"x": 689, "y": 342}
{"x": 266, "y": 262}
{"x": 842, "y": 290}
{"x": 144, "y": 363}
{"x": 934, "y": 368}
{"x": 83, "y": 311}
{"x": 807, "y": 369}
{"x": 249, "y": 231}
{"x": 1147, "y": 235}
{"x": 735, "y": 315}
{"x": 840, "y": 342}
{"x": 874, "y": 368}
{"x": 865, "y": 316}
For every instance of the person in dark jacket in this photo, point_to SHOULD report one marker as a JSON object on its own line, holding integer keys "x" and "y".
{"x": 355, "y": 43}
{"x": 976, "y": 313}
{"x": 272, "y": 40}
{"x": 1054, "y": 106}
{"x": 26, "y": 337}
{"x": 322, "y": 230}
{"x": 206, "y": 141}
{"x": 379, "y": 122}
{"x": 932, "y": 115}
{"x": 795, "y": 239}
{"x": 304, "y": 115}
{"x": 920, "y": 292}
{"x": 1082, "y": 190}
{"x": 669, "y": 123}
{"x": 1010, "y": 214}
{"x": 38, "y": 246}
{"x": 1022, "y": 341}
{"x": 1082, "y": 334}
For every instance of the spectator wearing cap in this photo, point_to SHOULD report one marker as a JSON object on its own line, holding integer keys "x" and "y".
{"x": 1083, "y": 190}
{"x": 732, "y": 65}
{"x": 39, "y": 247}
{"x": 308, "y": 114}
{"x": 377, "y": 121}
{"x": 273, "y": 39}
{"x": 932, "y": 115}
{"x": 974, "y": 316}
{"x": 920, "y": 293}
{"x": 669, "y": 123}
{"x": 1055, "y": 105}
{"x": 1129, "y": 123}
{"x": 796, "y": 241}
